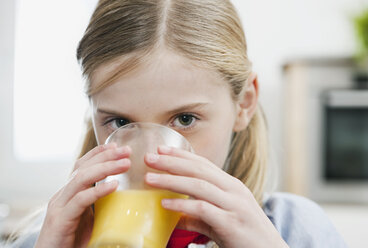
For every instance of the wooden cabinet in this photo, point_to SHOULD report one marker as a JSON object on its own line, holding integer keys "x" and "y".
{"x": 305, "y": 82}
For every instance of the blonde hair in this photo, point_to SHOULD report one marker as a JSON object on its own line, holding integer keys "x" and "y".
{"x": 205, "y": 31}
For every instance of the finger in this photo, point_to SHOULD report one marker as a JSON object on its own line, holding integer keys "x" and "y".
{"x": 198, "y": 209}
{"x": 190, "y": 167}
{"x": 113, "y": 153}
{"x": 85, "y": 178}
{"x": 180, "y": 153}
{"x": 177, "y": 152}
{"x": 77, "y": 205}
{"x": 197, "y": 188}
{"x": 93, "y": 152}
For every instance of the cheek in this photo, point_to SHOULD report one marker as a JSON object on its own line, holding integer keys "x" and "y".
{"x": 100, "y": 135}
{"x": 213, "y": 144}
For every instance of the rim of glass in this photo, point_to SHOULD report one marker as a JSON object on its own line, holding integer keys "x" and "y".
{"x": 143, "y": 124}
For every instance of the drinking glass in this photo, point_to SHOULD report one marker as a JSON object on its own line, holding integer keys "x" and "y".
{"x": 132, "y": 216}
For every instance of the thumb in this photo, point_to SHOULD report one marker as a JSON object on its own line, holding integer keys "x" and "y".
{"x": 84, "y": 230}
{"x": 195, "y": 225}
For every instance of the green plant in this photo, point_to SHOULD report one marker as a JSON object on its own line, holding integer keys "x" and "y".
{"x": 361, "y": 30}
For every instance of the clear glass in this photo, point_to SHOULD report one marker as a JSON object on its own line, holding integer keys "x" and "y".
{"x": 132, "y": 216}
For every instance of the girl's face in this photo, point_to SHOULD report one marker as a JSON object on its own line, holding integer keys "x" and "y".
{"x": 169, "y": 90}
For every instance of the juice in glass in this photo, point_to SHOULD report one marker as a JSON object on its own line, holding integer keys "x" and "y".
{"x": 132, "y": 216}
{"x": 133, "y": 219}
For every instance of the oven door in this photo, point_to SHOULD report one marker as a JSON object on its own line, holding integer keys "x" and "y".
{"x": 345, "y": 136}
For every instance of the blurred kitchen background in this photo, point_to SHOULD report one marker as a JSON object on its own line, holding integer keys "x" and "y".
{"x": 314, "y": 90}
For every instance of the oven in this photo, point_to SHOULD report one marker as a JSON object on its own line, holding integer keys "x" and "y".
{"x": 340, "y": 147}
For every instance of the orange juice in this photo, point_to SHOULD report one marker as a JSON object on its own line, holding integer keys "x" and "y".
{"x": 133, "y": 219}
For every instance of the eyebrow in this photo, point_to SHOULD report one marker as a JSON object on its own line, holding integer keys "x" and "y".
{"x": 170, "y": 112}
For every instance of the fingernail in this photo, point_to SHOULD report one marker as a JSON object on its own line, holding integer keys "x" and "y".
{"x": 152, "y": 177}
{"x": 164, "y": 149}
{"x": 151, "y": 157}
{"x": 112, "y": 184}
{"x": 123, "y": 149}
{"x": 123, "y": 161}
{"x": 165, "y": 202}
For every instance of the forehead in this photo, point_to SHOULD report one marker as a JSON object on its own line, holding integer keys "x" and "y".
{"x": 166, "y": 80}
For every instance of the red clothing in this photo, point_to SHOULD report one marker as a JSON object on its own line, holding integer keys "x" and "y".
{"x": 182, "y": 238}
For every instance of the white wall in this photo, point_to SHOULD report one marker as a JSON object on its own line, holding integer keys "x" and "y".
{"x": 30, "y": 181}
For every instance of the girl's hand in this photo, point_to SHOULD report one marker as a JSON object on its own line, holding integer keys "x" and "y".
{"x": 223, "y": 208}
{"x": 69, "y": 217}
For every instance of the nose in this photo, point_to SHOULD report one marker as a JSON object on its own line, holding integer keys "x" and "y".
{"x": 151, "y": 139}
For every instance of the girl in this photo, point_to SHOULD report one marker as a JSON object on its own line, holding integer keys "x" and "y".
{"x": 184, "y": 64}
